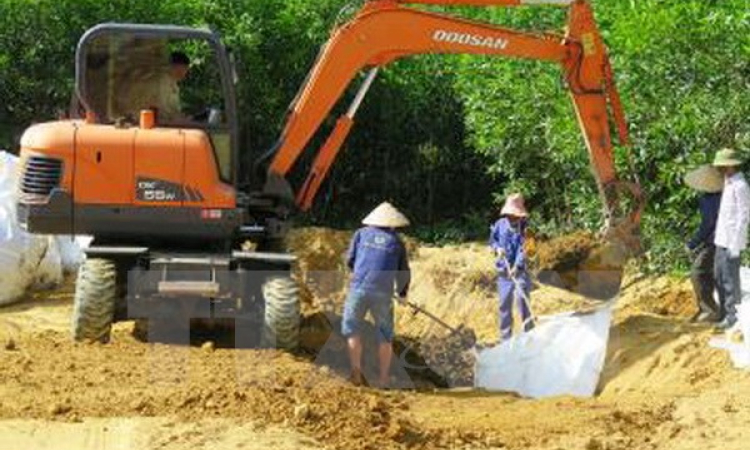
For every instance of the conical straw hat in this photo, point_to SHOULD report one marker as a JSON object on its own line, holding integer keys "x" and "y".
{"x": 514, "y": 206}
{"x": 727, "y": 157}
{"x": 705, "y": 179}
{"x": 386, "y": 216}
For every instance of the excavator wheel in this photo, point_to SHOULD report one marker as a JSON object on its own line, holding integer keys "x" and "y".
{"x": 282, "y": 313}
{"x": 95, "y": 297}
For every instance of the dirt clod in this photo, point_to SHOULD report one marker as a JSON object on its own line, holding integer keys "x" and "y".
{"x": 302, "y": 412}
{"x": 139, "y": 405}
{"x": 375, "y": 404}
{"x": 58, "y": 409}
{"x": 594, "y": 444}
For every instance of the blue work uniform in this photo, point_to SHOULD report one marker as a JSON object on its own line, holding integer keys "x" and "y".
{"x": 704, "y": 252}
{"x": 708, "y": 206}
{"x": 509, "y": 238}
{"x": 379, "y": 263}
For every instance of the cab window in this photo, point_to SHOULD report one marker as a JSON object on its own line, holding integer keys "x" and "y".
{"x": 179, "y": 79}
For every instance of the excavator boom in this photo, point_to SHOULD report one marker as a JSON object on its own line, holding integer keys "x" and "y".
{"x": 385, "y": 30}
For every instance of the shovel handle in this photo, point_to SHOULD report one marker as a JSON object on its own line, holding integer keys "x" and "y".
{"x": 418, "y": 309}
{"x": 517, "y": 284}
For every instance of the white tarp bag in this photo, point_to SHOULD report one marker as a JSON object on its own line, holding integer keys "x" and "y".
{"x": 26, "y": 260}
{"x": 49, "y": 271}
{"x": 72, "y": 251}
{"x": 563, "y": 355}
{"x": 739, "y": 352}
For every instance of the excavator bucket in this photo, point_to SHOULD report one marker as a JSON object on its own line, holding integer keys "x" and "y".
{"x": 581, "y": 263}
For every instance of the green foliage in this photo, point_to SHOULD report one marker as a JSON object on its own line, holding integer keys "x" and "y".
{"x": 471, "y": 226}
{"x": 445, "y": 135}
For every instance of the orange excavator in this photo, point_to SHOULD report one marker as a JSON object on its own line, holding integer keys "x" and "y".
{"x": 174, "y": 224}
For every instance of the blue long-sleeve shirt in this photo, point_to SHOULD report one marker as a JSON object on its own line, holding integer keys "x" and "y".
{"x": 708, "y": 205}
{"x": 379, "y": 262}
{"x": 508, "y": 237}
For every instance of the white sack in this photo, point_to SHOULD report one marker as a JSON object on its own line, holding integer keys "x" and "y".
{"x": 49, "y": 272}
{"x": 72, "y": 251}
{"x": 563, "y": 355}
{"x": 739, "y": 352}
{"x": 21, "y": 253}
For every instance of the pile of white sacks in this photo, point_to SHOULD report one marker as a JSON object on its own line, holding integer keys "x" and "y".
{"x": 29, "y": 261}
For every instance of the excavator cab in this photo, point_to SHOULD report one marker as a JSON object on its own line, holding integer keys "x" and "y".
{"x": 182, "y": 77}
{"x": 156, "y": 158}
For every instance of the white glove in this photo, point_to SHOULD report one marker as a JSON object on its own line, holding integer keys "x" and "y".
{"x": 734, "y": 252}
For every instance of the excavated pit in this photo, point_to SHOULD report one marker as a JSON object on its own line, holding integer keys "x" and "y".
{"x": 456, "y": 283}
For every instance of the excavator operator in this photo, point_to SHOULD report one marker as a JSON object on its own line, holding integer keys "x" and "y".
{"x": 170, "y": 107}
{"x": 155, "y": 86}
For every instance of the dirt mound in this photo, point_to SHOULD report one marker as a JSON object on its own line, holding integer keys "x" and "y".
{"x": 126, "y": 378}
{"x": 319, "y": 249}
{"x": 564, "y": 252}
{"x": 652, "y": 354}
{"x": 458, "y": 284}
{"x": 321, "y": 268}
{"x": 322, "y": 249}
{"x": 665, "y": 296}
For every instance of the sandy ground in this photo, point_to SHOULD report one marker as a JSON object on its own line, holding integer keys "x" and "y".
{"x": 135, "y": 433}
{"x": 662, "y": 387}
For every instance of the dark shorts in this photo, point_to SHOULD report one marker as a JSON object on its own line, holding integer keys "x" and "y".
{"x": 358, "y": 303}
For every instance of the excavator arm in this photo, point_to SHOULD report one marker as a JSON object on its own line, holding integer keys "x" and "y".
{"x": 385, "y": 30}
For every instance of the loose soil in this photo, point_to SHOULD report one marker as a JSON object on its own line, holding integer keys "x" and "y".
{"x": 662, "y": 387}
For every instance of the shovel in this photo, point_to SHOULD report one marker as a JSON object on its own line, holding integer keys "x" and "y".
{"x": 468, "y": 338}
{"x": 519, "y": 290}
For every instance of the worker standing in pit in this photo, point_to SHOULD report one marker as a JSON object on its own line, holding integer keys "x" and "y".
{"x": 513, "y": 282}
{"x": 708, "y": 181}
{"x": 379, "y": 263}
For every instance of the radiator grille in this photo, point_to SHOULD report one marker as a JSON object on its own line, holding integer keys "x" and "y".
{"x": 40, "y": 175}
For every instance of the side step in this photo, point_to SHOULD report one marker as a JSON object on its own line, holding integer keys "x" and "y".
{"x": 203, "y": 288}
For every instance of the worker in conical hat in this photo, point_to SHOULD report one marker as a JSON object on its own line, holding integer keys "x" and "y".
{"x": 513, "y": 282}
{"x": 386, "y": 216}
{"x": 707, "y": 180}
{"x": 379, "y": 264}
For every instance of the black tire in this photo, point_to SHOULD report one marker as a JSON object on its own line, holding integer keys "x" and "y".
{"x": 282, "y": 313}
{"x": 95, "y": 298}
